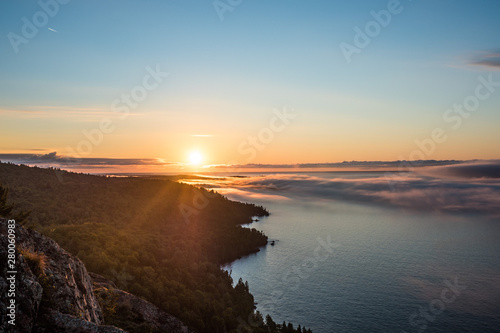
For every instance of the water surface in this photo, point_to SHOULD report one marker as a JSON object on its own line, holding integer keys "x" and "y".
{"x": 346, "y": 266}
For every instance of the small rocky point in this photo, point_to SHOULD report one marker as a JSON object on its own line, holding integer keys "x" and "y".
{"x": 59, "y": 295}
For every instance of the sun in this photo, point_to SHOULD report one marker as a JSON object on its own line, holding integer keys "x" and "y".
{"x": 195, "y": 158}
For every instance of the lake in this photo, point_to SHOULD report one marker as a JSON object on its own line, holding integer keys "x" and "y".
{"x": 362, "y": 264}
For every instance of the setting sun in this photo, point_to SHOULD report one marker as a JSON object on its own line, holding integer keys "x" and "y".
{"x": 195, "y": 158}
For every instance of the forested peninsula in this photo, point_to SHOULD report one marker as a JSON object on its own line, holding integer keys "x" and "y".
{"x": 155, "y": 238}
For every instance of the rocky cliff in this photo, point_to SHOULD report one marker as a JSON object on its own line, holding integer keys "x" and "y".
{"x": 136, "y": 313}
{"x": 55, "y": 293}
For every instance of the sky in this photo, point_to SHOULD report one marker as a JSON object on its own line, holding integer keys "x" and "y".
{"x": 190, "y": 83}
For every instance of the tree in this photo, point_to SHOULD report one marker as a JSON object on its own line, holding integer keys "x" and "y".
{"x": 271, "y": 324}
{"x": 131, "y": 231}
{"x": 6, "y": 209}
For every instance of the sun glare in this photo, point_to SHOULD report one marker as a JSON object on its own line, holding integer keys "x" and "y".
{"x": 195, "y": 158}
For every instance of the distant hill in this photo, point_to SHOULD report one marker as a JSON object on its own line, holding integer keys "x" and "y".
{"x": 157, "y": 239}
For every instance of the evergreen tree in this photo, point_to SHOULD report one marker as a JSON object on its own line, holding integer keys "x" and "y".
{"x": 5, "y": 208}
{"x": 271, "y": 325}
{"x": 131, "y": 231}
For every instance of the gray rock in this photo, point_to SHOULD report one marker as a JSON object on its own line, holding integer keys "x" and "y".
{"x": 28, "y": 291}
{"x": 61, "y": 296}
{"x": 48, "y": 299}
{"x": 61, "y": 323}
{"x": 139, "y": 311}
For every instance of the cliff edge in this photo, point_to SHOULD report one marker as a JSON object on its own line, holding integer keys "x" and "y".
{"x": 46, "y": 289}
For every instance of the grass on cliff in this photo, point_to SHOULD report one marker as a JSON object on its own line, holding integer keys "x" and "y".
{"x": 36, "y": 261}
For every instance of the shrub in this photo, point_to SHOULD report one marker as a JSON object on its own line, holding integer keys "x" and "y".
{"x": 36, "y": 261}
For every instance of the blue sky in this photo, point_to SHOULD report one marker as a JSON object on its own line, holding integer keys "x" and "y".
{"x": 226, "y": 77}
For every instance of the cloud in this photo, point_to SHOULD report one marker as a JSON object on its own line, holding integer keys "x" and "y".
{"x": 480, "y": 170}
{"x": 350, "y": 165}
{"x": 491, "y": 60}
{"x": 447, "y": 186}
{"x": 52, "y": 159}
{"x": 66, "y": 112}
{"x": 27, "y": 149}
{"x": 405, "y": 190}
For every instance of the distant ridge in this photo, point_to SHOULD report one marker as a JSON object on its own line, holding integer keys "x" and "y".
{"x": 52, "y": 159}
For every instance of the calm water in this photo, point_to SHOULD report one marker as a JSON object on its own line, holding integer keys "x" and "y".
{"x": 355, "y": 266}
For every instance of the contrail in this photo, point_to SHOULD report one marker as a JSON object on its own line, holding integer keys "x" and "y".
{"x": 52, "y": 30}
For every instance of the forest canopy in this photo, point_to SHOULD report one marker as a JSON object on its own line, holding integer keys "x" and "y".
{"x": 156, "y": 238}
